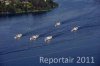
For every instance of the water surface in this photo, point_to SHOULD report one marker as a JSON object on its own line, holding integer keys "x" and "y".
{"x": 85, "y": 42}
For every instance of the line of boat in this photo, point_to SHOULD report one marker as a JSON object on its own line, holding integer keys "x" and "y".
{"x": 48, "y": 38}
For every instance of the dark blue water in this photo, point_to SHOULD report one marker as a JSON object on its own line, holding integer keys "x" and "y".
{"x": 85, "y": 42}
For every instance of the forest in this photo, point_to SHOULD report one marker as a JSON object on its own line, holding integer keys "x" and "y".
{"x": 24, "y": 6}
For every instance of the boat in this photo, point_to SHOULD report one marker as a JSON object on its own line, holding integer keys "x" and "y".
{"x": 57, "y": 24}
{"x": 75, "y": 29}
{"x": 48, "y": 39}
{"x": 34, "y": 37}
{"x": 18, "y": 36}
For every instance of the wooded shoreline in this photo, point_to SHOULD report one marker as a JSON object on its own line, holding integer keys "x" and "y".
{"x": 26, "y": 6}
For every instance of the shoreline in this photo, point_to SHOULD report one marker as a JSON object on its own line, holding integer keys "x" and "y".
{"x": 33, "y": 11}
{"x": 21, "y": 13}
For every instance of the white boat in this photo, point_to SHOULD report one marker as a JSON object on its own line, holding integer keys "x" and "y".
{"x": 18, "y": 36}
{"x": 34, "y": 37}
{"x": 75, "y": 29}
{"x": 48, "y": 39}
{"x": 57, "y": 24}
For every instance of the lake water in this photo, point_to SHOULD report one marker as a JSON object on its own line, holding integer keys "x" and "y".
{"x": 84, "y": 42}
